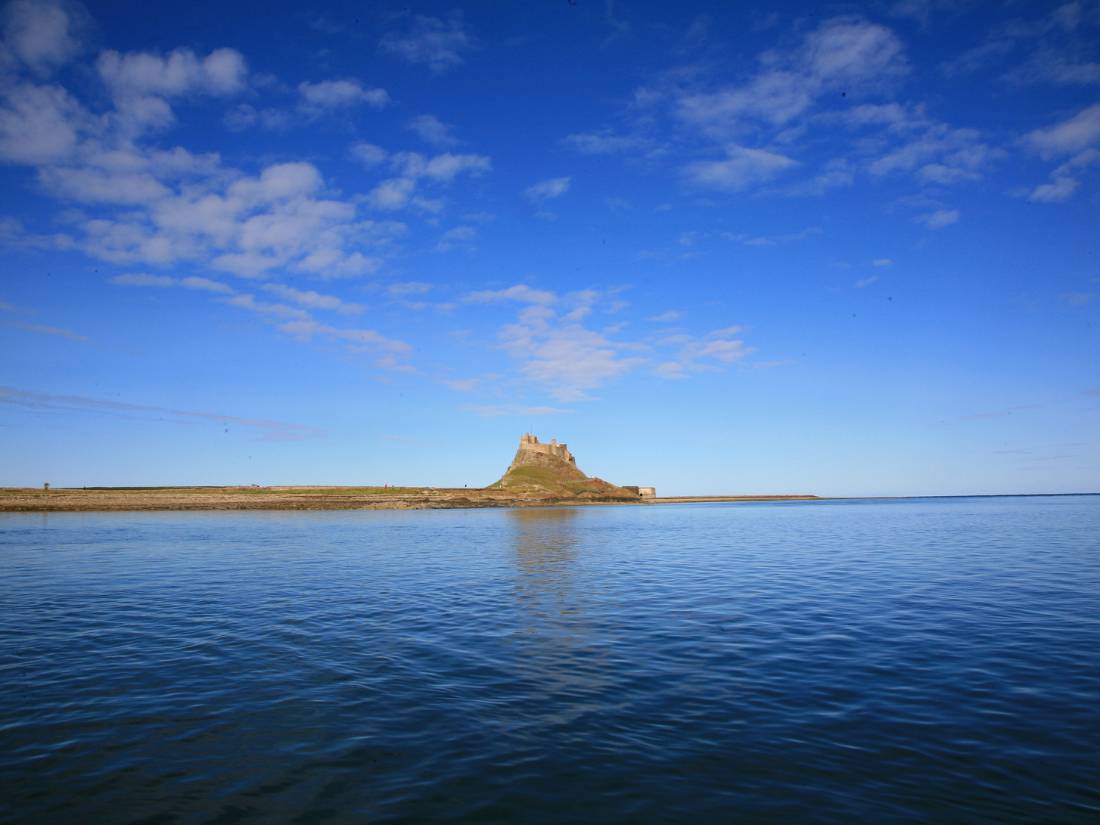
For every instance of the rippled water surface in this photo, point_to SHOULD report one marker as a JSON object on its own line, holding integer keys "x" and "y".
{"x": 920, "y": 660}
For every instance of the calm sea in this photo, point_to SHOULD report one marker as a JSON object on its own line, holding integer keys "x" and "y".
{"x": 865, "y": 661}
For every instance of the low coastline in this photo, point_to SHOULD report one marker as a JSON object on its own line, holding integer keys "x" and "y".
{"x": 123, "y": 499}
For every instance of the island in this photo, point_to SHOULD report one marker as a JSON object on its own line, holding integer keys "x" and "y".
{"x": 540, "y": 475}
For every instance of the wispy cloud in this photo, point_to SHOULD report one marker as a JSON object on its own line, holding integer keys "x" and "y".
{"x": 863, "y": 283}
{"x": 141, "y": 279}
{"x": 1068, "y": 136}
{"x": 431, "y": 129}
{"x": 772, "y": 240}
{"x": 520, "y": 292}
{"x": 431, "y": 41}
{"x": 842, "y": 53}
{"x": 390, "y": 350}
{"x": 404, "y": 289}
{"x": 45, "y": 35}
{"x": 548, "y": 189}
{"x": 266, "y": 429}
{"x": 1078, "y": 299}
{"x": 692, "y": 354}
{"x": 340, "y": 94}
{"x": 314, "y": 300}
{"x": 45, "y": 329}
{"x": 563, "y": 357}
{"x": 502, "y": 410}
{"x": 248, "y": 301}
{"x": 741, "y": 168}
{"x": 413, "y": 169}
{"x": 939, "y": 218}
{"x": 1058, "y": 189}
{"x": 1053, "y": 48}
{"x": 607, "y": 142}
{"x": 667, "y": 317}
{"x": 457, "y": 237}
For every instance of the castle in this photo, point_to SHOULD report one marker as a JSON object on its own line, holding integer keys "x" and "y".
{"x": 530, "y": 444}
{"x": 534, "y": 459}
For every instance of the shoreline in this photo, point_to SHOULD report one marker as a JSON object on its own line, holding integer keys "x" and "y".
{"x": 313, "y": 498}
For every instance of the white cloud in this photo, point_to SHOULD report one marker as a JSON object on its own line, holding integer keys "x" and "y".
{"x": 695, "y": 354}
{"x": 248, "y": 225}
{"x": 671, "y": 370}
{"x": 249, "y": 302}
{"x": 936, "y": 153}
{"x": 39, "y": 124}
{"x": 136, "y": 75}
{"x": 1071, "y": 135}
{"x": 44, "y": 34}
{"x": 391, "y": 194}
{"x": 359, "y": 339}
{"x": 447, "y": 166}
{"x": 548, "y": 189}
{"x": 430, "y": 41}
{"x": 313, "y": 300}
{"x": 772, "y": 240}
{"x": 846, "y": 54}
{"x": 339, "y": 94}
{"x": 459, "y": 236}
{"x": 1059, "y": 189}
{"x": 295, "y": 321}
{"x": 939, "y": 218}
{"x": 882, "y": 262}
{"x": 141, "y": 279}
{"x": 399, "y": 192}
{"x": 45, "y": 329}
{"x": 724, "y": 350}
{"x": 863, "y": 283}
{"x": 368, "y": 154}
{"x": 519, "y": 292}
{"x": 606, "y": 142}
{"x": 244, "y": 115}
{"x": 667, "y": 317}
{"x": 193, "y": 282}
{"x": 205, "y": 285}
{"x": 1063, "y": 182}
{"x": 743, "y": 167}
{"x": 431, "y": 129}
{"x": 563, "y": 357}
{"x": 848, "y": 51}
{"x": 407, "y": 288}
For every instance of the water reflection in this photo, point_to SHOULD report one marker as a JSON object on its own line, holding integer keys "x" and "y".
{"x": 545, "y": 542}
{"x": 562, "y": 649}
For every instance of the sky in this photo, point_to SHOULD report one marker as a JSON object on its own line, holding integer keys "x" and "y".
{"x": 841, "y": 249}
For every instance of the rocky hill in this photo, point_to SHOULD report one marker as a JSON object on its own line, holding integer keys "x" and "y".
{"x": 549, "y": 471}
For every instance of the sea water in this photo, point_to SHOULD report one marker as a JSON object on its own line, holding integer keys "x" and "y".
{"x": 933, "y": 660}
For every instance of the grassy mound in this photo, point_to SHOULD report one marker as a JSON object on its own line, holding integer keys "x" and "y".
{"x": 547, "y": 477}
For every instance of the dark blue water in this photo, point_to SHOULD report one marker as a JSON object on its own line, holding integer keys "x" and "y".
{"x": 921, "y": 660}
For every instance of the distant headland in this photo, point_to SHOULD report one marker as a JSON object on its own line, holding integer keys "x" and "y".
{"x": 541, "y": 474}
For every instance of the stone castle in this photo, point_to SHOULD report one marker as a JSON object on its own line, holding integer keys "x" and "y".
{"x": 530, "y": 444}
{"x": 555, "y": 458}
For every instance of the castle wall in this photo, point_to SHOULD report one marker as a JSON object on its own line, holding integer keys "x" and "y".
{"x": 530, "y": 443}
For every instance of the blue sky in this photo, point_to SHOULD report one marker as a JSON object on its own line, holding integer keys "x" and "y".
{"x": 840, "y": 249}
